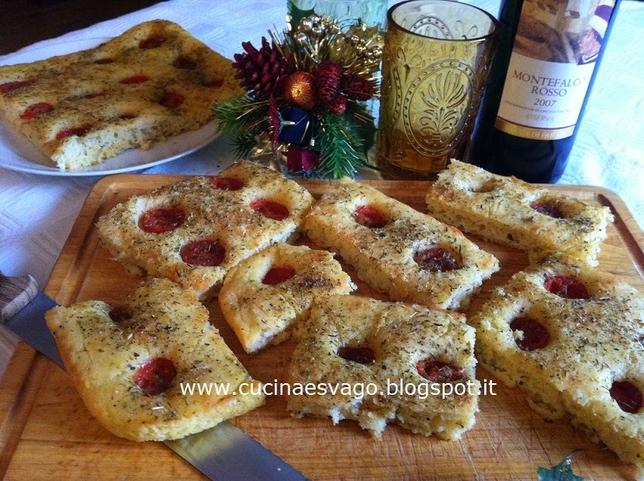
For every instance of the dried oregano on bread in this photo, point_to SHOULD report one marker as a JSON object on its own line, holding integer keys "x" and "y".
{"x": 396, "y": 249}
{"x": 572, "y": 339}
{"x": 195, "y": 230}
{"x": 378, "y": 362}
{"x": 517, "y": 214}
{"x": 134, "y": 361}
{"x": 149, "y": 83}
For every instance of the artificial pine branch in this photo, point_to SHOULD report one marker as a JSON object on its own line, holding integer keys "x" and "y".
{"x": 341, "y": 153}
{"x": 243, "y": 120}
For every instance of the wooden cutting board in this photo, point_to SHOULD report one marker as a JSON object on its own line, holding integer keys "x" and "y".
{"x": 47, "y": 433}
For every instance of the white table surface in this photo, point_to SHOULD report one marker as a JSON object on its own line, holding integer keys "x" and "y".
{"x": 37, "y": 212}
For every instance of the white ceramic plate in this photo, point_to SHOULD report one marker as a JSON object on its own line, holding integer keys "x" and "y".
{"x": 17, "y": 153}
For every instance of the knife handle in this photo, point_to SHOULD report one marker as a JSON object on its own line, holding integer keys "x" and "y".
{"x": 15, "y": 293}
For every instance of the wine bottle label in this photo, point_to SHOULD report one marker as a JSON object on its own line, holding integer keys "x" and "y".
{"x": 552, "y": 62}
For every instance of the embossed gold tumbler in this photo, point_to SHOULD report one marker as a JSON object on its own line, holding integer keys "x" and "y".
{"x": 436, "y": 60}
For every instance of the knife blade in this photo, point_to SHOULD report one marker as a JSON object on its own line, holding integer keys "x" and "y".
{"x": 221, "y": 452}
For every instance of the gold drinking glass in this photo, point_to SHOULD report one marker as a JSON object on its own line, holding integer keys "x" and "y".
{"x": 436, "y": 60}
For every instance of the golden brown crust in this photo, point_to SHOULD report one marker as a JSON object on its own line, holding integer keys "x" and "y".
{"x": 400, "y": 335}
{"x": 211, "y": 213}
{"x": 499, "y": 209}
{"x": 262, "y": 314}
{"x": 384, "y": 256}
{"x": 102, "y": 356}
{"x": 593, "y": 343}
{"x": 85, "y": 90}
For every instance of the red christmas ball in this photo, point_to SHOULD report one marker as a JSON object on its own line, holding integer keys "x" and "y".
{"x": 299, "y": 90}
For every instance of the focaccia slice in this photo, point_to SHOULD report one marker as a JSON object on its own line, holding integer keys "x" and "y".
{"x": 265, "y": 295}
{"x": 517, "y": 214}
{"x": 193, "y": 231}
{"x": 135, "y": 362}
{"x": 377, "y": 362}
{"x": 151, "y": 82}
{"x": 397, "y": 250}
{"x": 571, "y": 339}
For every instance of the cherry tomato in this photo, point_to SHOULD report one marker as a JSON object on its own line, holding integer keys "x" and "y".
{"x": 207, "y": 253}
{"x": 548, "y": 209}
{"x": 36, "y": 110}
{"x": 369, "y": 216}
{"x": 135, "y": 79}
{"x": 11, "y": 86}
{"x": 361, "y": 355}
{"x": 172, "y": 100}
{"x": 71, "y": 131}
{"x": 153, "y": 41}
{"x": 535, "y": 334}
{"x": 157, "y": 221}
{"x": 277, "y": 275}
{"x": 270, "y": 209}
{"x": 438, "y": 371}
{"x": 436, "y": 259}
{"x": 566, "y": 286}
{"x": 119, "y": 314}
{"x": 226, "y": 183}
{"x": 155, "y": 376}
{"x": 184, "y": 63}
{"x": 627, "y": 396}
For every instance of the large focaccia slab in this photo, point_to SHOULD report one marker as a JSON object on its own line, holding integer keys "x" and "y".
{"x": 151, "y": 82}
{"x": 570, "y": 337}
{"x": 135, "y": 361}
{"x": 195, "y": 230}
{"x": 396, "y": 249}
{"x": 518, "y": 214}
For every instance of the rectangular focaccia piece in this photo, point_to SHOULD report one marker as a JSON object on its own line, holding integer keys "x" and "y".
{"x": 571, "y": 339}
{"x": 151, "y": 82}
{"x": 134, "y": 361}
{"x": 195, "y": 230}
{"x": 397, "y": 250}
{"x": 517, "y": 214}
{"x": 266, "y": 295}
{"x": 375, "y": 362}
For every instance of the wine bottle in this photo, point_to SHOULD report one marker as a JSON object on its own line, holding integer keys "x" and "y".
{"x": 539, "y": 85}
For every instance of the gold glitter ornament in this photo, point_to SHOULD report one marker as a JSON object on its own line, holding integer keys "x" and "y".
{"x": 299, "y": 90}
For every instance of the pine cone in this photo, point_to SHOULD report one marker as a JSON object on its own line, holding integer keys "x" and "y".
{"x": 338, "y": 105}
{"x": 328, "y": 78}
{"x": 262, "y": 71}
{"x": 356, "y": 87}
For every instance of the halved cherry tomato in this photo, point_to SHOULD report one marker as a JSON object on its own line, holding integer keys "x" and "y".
{"x": 270, "y": 209}
{"x": 155, "y": 376}
{"x": 184, "y": 63}
{"x": 369, "y": 216}
{"x": 71, "y": 131}
{"x": 277, "y": 275}
{"x": 153, "y": 41}
{"x": 436, "y": 259}
{"x": 15, "y": 85}
{"x": 36, "y": 110}
{"x": 361, "y": 355}
{"x": 627, "y": 396}
{"x": 548, "y": 209}
{"x": 157, "y": 221}
{"x": 226, "y": 183}
{"x": 566, "y": 286}
{"x": 172, "y": 100}
{"x": 135, "y": 79}
{"x": 438, "y": 371}
{"x": 535, "y": 335}
{"x": 207, "y": 253}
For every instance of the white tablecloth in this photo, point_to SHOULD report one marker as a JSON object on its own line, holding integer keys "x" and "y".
{"x": 37, "y": 212}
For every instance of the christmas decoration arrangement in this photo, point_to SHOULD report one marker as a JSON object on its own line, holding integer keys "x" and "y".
{"x": 306, "y": 99}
